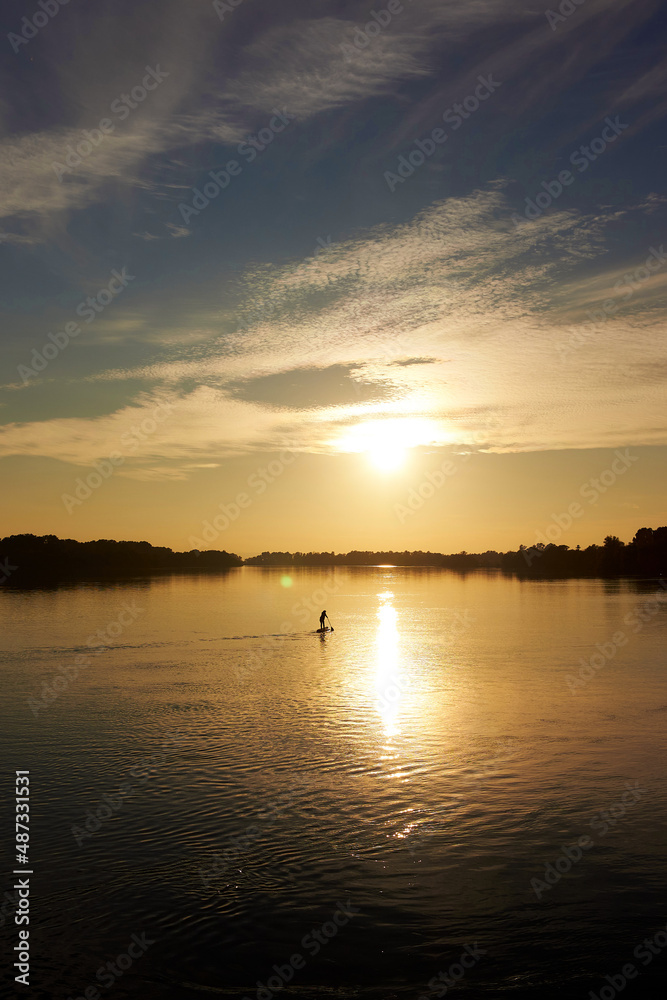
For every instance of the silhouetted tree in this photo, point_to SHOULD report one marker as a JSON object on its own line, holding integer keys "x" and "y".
{"x": 48, "y": 558}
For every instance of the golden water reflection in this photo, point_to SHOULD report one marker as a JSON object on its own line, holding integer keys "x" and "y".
{"x": 390, "y": 685}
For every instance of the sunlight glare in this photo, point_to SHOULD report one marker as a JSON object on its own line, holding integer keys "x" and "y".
{"x": 387, "y": 442}
{"x": 387, "y": 680}
{"x": 387, "y": 458}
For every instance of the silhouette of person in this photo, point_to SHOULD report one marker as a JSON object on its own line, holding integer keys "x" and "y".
{"x": 322, "y": 617}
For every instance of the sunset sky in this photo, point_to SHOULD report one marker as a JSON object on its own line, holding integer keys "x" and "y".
{"x": 361, "y": 299}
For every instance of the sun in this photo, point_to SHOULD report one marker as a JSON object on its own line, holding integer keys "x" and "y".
{"x": 387, "y": 458}
{"x": 386, "y": 443}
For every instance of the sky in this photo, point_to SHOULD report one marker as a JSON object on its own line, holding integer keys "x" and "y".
{"x": 324, "y": 275}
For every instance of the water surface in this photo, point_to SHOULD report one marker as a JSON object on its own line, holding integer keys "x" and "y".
{"x": 420, "y": 765}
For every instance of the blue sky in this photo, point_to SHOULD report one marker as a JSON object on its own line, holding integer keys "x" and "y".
{"x": 361, "y": 279}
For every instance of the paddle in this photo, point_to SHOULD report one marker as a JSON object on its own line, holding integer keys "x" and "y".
{"x": 329, "y": 620}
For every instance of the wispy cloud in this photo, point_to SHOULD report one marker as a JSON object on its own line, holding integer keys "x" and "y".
{"x": 450, "y": 315}
{"x": 309, "y": 64}
{"x": 458, "y": 286}
{"x": 299, "y": 63}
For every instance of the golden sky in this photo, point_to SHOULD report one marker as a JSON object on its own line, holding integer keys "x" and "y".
{"x": 368, "y": 300}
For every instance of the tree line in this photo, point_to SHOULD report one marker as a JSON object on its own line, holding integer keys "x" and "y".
{"x": 460, "y": 560}
{"x": 646, "y": 554}
{"x": 27, "y": 558}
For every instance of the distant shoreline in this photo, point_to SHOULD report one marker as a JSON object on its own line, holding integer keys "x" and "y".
{"x": 27, "y": 559}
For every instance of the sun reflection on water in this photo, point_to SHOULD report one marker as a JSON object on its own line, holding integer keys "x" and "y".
{"x": 388, "y": 682}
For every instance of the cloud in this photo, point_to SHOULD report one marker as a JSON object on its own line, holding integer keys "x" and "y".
{"x": 178, "y": 232}
{"x": 535, "y": 67}
{"x": 150, "y": 433}
{"x": 311, "y": 388}
{"x": 38, "y": 181}
{"x": 313, "y": 65}
{"x": 299, "y": 63}
{"x": 454, "y": 315}
{"x": 453, "y": 318}
{"x": 415, "y": 361}
{"x": 223, "y": 80}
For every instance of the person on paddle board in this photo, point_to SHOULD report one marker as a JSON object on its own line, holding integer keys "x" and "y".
{"x": 322, "y": 617}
